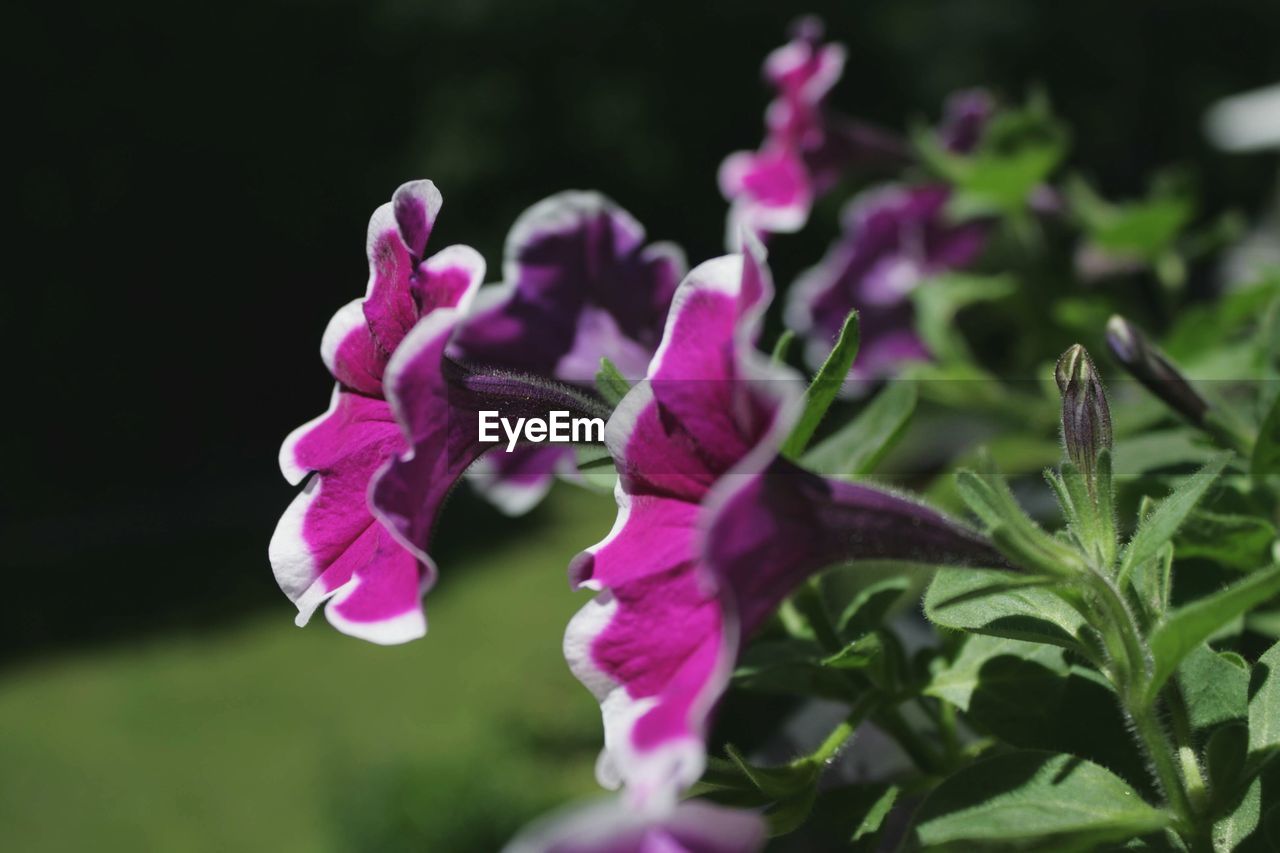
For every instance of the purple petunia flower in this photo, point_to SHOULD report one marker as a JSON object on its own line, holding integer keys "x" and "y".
{"x": 893, "y": 238}
{"x": 611, "y": 827}
{"x": 964, "y": 120}
{"x": 714, "y": 529}
{"x": 437, "y": 402}
{"x": 580, "y": 284}
{"x": 403, "y": 427}
{"x": 328, "y": 546}
{"x": 806, "y": 147}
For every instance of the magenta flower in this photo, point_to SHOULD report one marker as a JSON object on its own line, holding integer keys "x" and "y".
{"x": 611, "y": 827}
{"x": 965, "y": 117}
{"x": 437, "y": 403}
{"x": 328, "y": 546}
{"x": 807, "y": 148}
{"x": 713, "y": 531}
{"x": 580, "y": 284}
{"x": 893, "y": 239}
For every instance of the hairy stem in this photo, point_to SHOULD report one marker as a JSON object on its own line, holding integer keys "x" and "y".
{"x": 841, "y": 734}
{"x": 1160, "y": 752}
{"x": 921, "y": 753}
{"x": 1132, "y": 681}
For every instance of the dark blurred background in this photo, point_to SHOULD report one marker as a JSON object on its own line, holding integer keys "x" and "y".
{"x": 193, "y": 183}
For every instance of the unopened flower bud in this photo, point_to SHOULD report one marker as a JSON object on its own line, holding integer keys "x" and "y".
{"x": 1086, "y": 418}
{"x": 1152, "y": 368}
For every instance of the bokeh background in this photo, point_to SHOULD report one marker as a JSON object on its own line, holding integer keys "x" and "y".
{"x": 191, "y": 191}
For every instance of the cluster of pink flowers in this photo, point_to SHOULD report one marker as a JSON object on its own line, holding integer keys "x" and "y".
{"x": 714, "y": 527}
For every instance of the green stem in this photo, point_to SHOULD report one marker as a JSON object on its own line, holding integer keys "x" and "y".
{"x": 1180, "y": 726}
{"x": 950, "y": 733}
{"x": 1120, "y": 619}
{"x": 917, "y": 749}
{"x": 840, "y": 735}
{"x": 1132, "y": 683}
{"x": 1160, "y": 752}
{"x": 808, "y": 600}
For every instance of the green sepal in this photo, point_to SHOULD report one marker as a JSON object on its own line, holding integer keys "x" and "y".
{"x": 824, "y": 388}
{"x": 1163, "y": 522}
{"x": 610, "y": 383}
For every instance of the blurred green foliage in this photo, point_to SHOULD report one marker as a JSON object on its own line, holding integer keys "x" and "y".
{"x": 271, "y": 737}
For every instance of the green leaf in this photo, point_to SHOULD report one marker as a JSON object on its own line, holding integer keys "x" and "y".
{"x": 878, "y": 812}
{"x": 1030, "y": 706}
{"x": 986, "y": 601}
{"x": 611, "y": 384}
{"x": 856, "y": 448}
{"x": 791, "y": 788}
{"x": 1264, "y": 622}
{"x": 1149, "y": 451}
{"x": 1238, "y": 541}
{"x": 1225, "y": 757}
{"x": 1019, "y": 150}
{"x": 859, "y": 654}
{"x": 1143, "y": 229}
{"x": 1163, "y": 522}
{"x": 595, "y": 467}
{"x": 939, "y": 299}
{"x": 957, "y": 680}
{"x": 1214, "y": 688}
{"x": 782, "y": 346}
{"x": 791, "y": 667}
{"x": 824, "y": 388}
{"x": 1233, "y": 830}
{"x": 1202, "y": 329}
{"x": 1266, "y": 450}
{"x": 1033, "y": 800}
{"x": 790, "y": 814}
{"x": 1027, "y": 696}
{"x": 778, "y": 783}
{"x": 1186, "y": 628}
{"x": 870, "y": 605}
{"x": 1011, "y": 529}
{"x": 1271, "y": 826}
{"x": 1264, "y": 704}
{"x": 1151, "y": 581}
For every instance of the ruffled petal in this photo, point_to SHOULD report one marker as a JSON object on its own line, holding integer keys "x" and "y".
{"x": 580, "y": 284}
{"x": 770, "y": 191}
{"x": 710, "y": 409}
{"x": 516, "y": 482}
{"x": 806, "y": 149}
{"x": 656, "y": 685}
{"x": 612, "y": 826}
{"x": 382, "y": 603}
{"x": 442, "y": 437}
{"x": 713, "y": 531}
{"x": 805, "y": 69}
{"x": 328, "y": 545}
{"x": 362, "y": 336}
{"x": 328, "y": 542}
